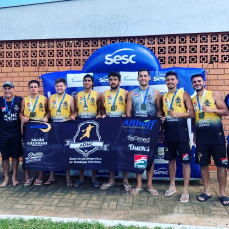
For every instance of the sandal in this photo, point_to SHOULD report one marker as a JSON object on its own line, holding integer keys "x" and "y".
{"x": 127, "y": 187}
{"x": 29, "y": 182}
{"x": 153, "y": 192}
{"x": 96, "y": 184}
{"x": 224, "y": 199}
{"x": 170, "y": 192}
{"x": 105, "y": 186}
{"x": 135, "y": 191}
{"x": 38, "y": 182}
{"x": 204, "y": 196}
{"x": 183, "y": 198}
{"x": 78, "y": 183}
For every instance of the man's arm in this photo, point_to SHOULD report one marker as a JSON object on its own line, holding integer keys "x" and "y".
{"x": 98, "y": 102}
{"x": 103, "y": 110}
{"x": 129, "y": 105}
{"x": 125, "y": 95}
{"x": 23, "y": 118}
{"x": 188, "y": 105}
{"x": 76, "y": 104}
{"x": 47, "y": 112}
{"x": 194, "y": 130}
{"x": 158, "y": 103}
{"x": 221, "y": 107}
{"x": 72, "y": 108}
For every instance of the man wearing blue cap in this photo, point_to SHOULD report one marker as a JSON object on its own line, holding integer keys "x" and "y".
{"x": 10, "y": 131}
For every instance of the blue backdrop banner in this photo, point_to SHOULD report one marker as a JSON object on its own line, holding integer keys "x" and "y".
{"x": 125, "y": 144}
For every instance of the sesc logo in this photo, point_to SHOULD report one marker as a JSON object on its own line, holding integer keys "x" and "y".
{"x": 118, "y": 59}
{"x": 103, "y": 79}
{"x": 160, "y": 77}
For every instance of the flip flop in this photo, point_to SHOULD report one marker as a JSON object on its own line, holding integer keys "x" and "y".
{"x": 127, "y": 187}
{"x": 152, "y": 192}
{"x": 29, "y": 182}
{"x": 96, "y": 184}
{"x": 78, "y": 183}
{"x": 105, "y": 186}
{"x": 38, "y": 182}
{"x": 204, "y": 196}
{"x": 49, "y": 182}
{"x": 69, "y": 184}
{"x": 170, "y": 192}
{"x": 135, "y": 191}
{"x": 224, "y": 198}
{"x": 184, "y": 197}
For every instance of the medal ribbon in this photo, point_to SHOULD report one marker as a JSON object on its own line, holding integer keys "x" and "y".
{"x": 33, "y": 108}
{"x": 113, "y": 101}
{"x": 171, "y": 105}
{"x": 147, "y": 91}
{"x": 85, "y": 102}
{"x": 7, "y": 109}
{"x": 57, "y": 101}
{"x": 198, "y": 101}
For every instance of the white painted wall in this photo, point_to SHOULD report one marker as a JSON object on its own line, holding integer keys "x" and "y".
{"x": 113, "y": 18}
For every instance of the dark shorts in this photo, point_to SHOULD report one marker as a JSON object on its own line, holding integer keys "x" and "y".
{"x": 217, "y": 151}
{"x": 10, "y": 147}
{"x": 183, "y": 150}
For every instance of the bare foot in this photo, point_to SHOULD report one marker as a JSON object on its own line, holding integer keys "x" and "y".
{"x": 4, "y": 184}
{"x": 15, "y": 183}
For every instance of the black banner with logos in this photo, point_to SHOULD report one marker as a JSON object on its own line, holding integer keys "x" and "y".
{"x": 116, "y": 144}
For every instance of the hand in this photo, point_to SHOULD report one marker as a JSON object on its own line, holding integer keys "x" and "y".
{"x": 25, "y": 119}
{"x": 103, "y": 116}
{"x": 98, "y": 116}
{"x": 207, "y": 109}
{"x": 173, "y": 114}
{"x": 123, "y": 115}
{"x": 162, "y": 119}
{"x": 45, "y": 119}
{"x": 72, "y": 117}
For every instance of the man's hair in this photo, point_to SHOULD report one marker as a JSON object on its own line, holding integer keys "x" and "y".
{"x": 142, "y": 70}
{"x": 34, "y": 81}
{"x": 171, "y": 73}
{"x": 116, "y": 74}
{"x": 197, "y": 75}
{"x": 89, "y": 76}
{"x": 60, "y": 80}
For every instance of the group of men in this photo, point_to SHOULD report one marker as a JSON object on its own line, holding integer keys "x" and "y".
{"x": 206, "y": 109}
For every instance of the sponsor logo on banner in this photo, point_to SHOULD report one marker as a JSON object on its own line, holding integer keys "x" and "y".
{"x": 159, "y": 158}
{"x": 3, "y": 109}
{"x": 140, "y": 161}
{"x": 103, "y": 79}
{"x": 139, "y": 148}
{"x": 160, "y": 77}
{"x": 136, "y": 124}
{"x": 45, "y": 127}
{"x": 37, "y": 142}
{"x": 33, "y": 157}
{"x": 117, "y": 57}
{"x": 76, "y": 80}
{"x": 224, "y": 161}
{"x": 129, "y": 79}
{"x": 161, "y": 171}
{"x": 185, "y": 157}
{"x": 138, "y": 139}
{"x": 84, "y": 142}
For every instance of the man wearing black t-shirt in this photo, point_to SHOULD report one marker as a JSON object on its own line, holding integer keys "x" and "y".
{"x": 10, "y": 131}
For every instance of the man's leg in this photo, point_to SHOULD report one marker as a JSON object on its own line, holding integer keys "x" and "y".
{"x": 205, "y": 175}
{"x": 126, "y": 184}
{"x": 68, "y": 179}
{"x": 172, "y": 173}
{"x": 15, "y": 162}
{"x": 51, "y": 178}
{"x": 222, "y": 179}
{"x": 150, "y": 187}
{"x": 6, "y": 166}
{"x": 27, "y": 175}
{"x": 186, "y": 175}
{"x": 110, "y": 182}
{"x": 95, "y": 183}
{"x": 138, "y": 187}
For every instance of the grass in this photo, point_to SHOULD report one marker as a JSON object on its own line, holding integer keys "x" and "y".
{"x": 49, "y": 224}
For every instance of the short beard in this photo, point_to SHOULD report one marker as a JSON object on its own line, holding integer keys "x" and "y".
{"x": 197, "y": 90}
{"x": 114, "y": 87}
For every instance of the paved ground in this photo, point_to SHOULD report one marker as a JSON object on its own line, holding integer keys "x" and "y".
{"x": 86, "y": 201}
